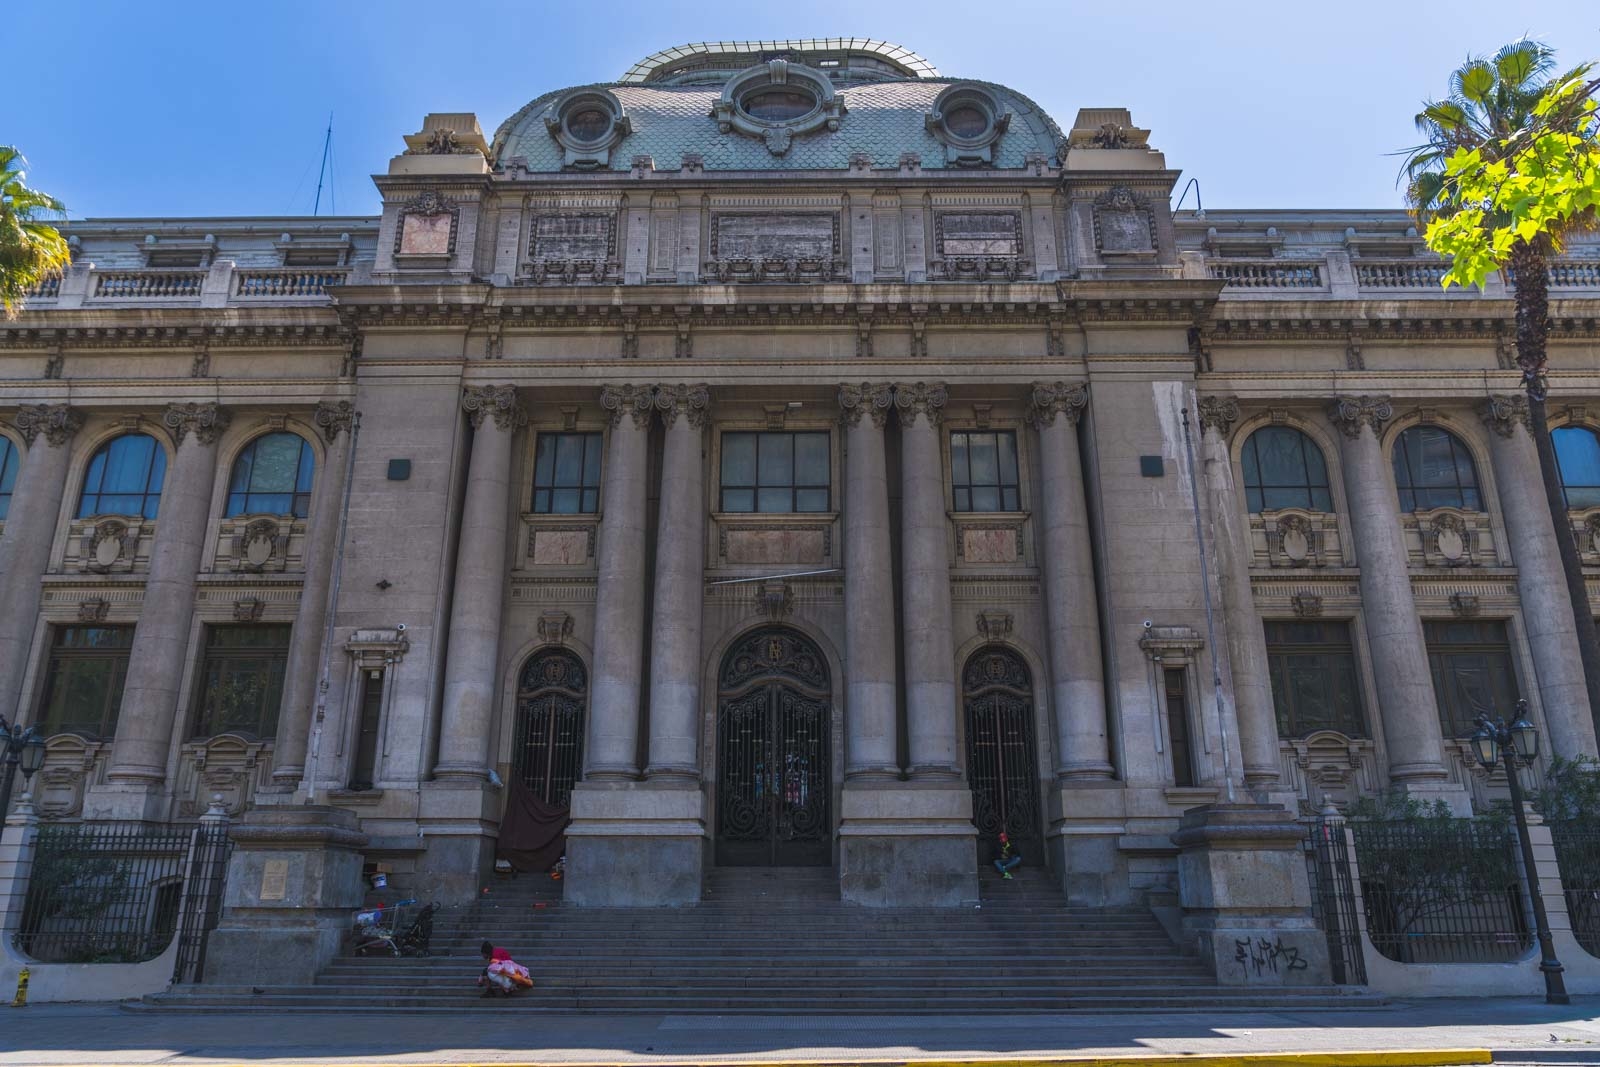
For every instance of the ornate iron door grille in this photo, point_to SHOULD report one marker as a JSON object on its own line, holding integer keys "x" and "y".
{"x": 547, "y": 752}
{"x": 773, "y": 761}
{"x": 1002, "y": 762}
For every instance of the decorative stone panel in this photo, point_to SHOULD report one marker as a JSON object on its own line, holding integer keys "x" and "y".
{"x": 560, "y": 540}
{"x": 783, "y": 540}
{"x": 1448, "y": 537}
{"x": 789, "y": 247}
{"x": 1296, "y": 538}
{"x": 228, "y": 765}
{"x": 425, "y": 228}
{"x": 109, "y": 544}
{"x": 1326, "y": 765}
{"x": 1124, "y": 225}
{"x": 72, "y": 765}
{"x": 260, "y": 544}
{"x": 1586, "y": 531}
{"x": 570, "y": 247}
{"x": 988, "y": 539}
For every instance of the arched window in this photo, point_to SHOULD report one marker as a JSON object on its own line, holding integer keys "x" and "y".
{"x": 124, "y": 478}
{"x": 1577, "y": 457}
{"x": 1433, "y": 469}
{"x": 272, "y": 476}
{"x": 1283, "y": 468}
{"x": 9, "y": 462}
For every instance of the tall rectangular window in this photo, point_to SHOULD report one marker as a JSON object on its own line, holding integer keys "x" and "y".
{"x": 566, "y": 474}
{"x": 83, "y": 681}
{"x": 775, "y": 471}
{"x": 1472, "y": 672}
{"x": 241, "y": 680}
{"x": 983, "y": 471}
{"x": 1313, "y": 667}
{"x": 1178, "y": 726}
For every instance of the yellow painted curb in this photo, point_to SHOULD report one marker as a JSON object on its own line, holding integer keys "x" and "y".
{"x": 1447, "y": 1057}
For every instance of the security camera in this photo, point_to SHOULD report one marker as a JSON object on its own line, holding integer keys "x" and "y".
{"x": 1147, "y": 624}
{"x": 402, "y": 627}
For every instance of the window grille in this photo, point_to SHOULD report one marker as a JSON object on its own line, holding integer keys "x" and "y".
{"x": 241, "y": 680}
{"x": 1472, "y": 672}
{"x": 1313, "y": 670}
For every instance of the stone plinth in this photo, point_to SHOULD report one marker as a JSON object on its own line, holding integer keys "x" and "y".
{"x": 294, "y": 885}
{"x": 1245, "y": 896}
{"x": 459, "y": 817}
{"x": 1087, "y": 821}
{"x": 907, "y": 845}
{"x": 635, "y": 845}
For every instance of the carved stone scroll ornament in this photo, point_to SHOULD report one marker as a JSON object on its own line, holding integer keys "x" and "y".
{"x": 110, "y": 542}
{"x": 334, "y": 417}
{"x": 1050, "y": 399}
{"x": 693, "y": 402}
{"x": 920, "y": 398}
{"x": 1218, "y": 413}
{"x": 497, "y": 400}
{"x": 93, "y": 610}
{"x": 1449, "y": 541}
{"x": 874, "y": 399}
{"x": 1306, "y": 605}
{"x": 262, "y": 542}
{"x": 636, "y": 400}
{"x": 1294, "y": 542}
{"x": 248, "y": 609}
{"x": 1502, "y": 414}
{"x": 1351, "y": 413}
{"x": 775, "y": 600}
{"x": 994, "y": 624}
{"x": 554, "y": 627}
{"x": 206, "y": 421}
{"x": 57, "y": 422}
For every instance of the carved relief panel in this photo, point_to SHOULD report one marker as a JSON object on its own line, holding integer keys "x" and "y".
{"x": 1448, "y": 537}
{"x": 72, "y": 764}
{"x": 979, "y": 244}
{"x": 1295, "y": 538}
{"x": 109, "y": 544}
{"x": 260, "y": 544}
{"x": 1327, "y": 765}
{"x": 750, "y": 247}
{"x": 565, "y": 541}
{"x": 226, "y": 765}
{"x": 570, "y": 247}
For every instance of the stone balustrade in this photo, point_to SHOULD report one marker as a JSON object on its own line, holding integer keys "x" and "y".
{"x": 1575, "y": 274}
{"x": 148, "y": 284}
{"x": 1399, "y": 273}
{"x": 286, "y": 282}
{"x": 1268, "y": 274}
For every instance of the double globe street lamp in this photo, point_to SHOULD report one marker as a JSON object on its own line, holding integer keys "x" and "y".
{"x": 1494, "y": 743}
{"x": 23, "y": 747}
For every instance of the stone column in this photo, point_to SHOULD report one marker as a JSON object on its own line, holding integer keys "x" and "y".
{"x": 619, "y": 590}
{"x": 931, "y": 704}
{"x": 679, "y": 590}
{"x": 473, "y": 657}
{"x": 302, "y": 672}
{"x": 1247, "y": 641}
{"x": 1406, "y": 705}
{"x": 1541, "y": 584}
{"x": 871, "y": 743}
{"x": 29, "y": 532}
{"x": 160, "y": 641}
{"x": 1077, "y": 686}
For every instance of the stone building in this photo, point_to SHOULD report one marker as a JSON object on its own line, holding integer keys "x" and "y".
{"x": 783, "y": 455}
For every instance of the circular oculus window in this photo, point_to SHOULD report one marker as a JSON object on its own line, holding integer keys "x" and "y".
{"x": 967, "y": 120}
{"x": 588, "y": 123}
{"x": 777, "y": 105}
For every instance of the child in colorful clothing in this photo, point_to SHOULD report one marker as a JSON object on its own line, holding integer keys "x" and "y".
{"x": 502, "y": 976}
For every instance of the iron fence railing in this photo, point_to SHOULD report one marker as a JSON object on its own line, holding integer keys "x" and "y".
{"x": 1333, "y": 899}
{"x": 118, "y": 892}
{"x": 1578, "y": 855}
{"x": 1441, "y": 890}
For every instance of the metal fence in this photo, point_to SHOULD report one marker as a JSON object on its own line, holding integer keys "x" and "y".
{"x": 1333, "y": 899}
{"x": 118, "y": 892}
{"x": 1441, "y": 890}
{"x": 1578, "y": 855}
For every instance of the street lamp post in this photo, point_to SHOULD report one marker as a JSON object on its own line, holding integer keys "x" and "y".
{"x": 23, "y": 747}
{"x": 1493, "y": 743}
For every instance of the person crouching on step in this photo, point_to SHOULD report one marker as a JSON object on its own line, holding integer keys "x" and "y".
{"x": 501, "y": 976}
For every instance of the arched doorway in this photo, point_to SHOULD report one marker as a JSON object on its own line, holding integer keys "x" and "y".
{"x": 774, "y": 788}
{"x": 1002, "y": 761}
{"x": 547, "y": 751}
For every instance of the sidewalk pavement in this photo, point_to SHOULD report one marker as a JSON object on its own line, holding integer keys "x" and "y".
{"x": 1517, "y": 1030}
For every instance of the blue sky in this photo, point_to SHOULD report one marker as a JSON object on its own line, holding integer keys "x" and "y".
{"x": 178, "y": 109}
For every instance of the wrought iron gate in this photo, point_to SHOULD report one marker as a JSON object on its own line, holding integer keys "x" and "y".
{"x": 1333, "y": 899}
{"x": 773, "y": 762}
{"x": 1002, "y": 761}
{"x": 547, "y": 752}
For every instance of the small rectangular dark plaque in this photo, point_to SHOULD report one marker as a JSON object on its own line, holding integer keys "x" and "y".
{"x": 1151, "y": 467}
{"x": 399, "y": 470}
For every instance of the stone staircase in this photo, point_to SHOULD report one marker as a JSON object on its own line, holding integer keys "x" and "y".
{"x": 779, "y": 941}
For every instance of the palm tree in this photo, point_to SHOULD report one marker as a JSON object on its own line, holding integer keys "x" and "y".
{"x": 1491, "y": 108}
{"x": 31, "y": 250}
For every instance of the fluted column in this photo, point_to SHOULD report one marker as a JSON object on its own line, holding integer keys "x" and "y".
{"x": 871, "y": 749}
{"x": 613, "y": 750}
{"x": 1247, "y": 641}
{"x": 30, "y": 526}
{"x": 1541, "y": 583}
{"x": 931, "y": 705}
{"x": 679, "y": 589}
{"x": 1394, "y": 632}
{"x": 303, "y": 670}
{"x": 156, "y": 660}
{"x": 1077, "y": 679}
{"x": 473, "y": 655}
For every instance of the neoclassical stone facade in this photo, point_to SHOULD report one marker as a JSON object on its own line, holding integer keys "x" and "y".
{"x": 785, "y": 455}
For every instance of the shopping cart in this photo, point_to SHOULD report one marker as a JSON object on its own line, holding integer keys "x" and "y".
{"x": 378, "y": 929}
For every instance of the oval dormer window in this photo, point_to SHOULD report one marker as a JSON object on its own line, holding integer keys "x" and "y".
{"x": 588, "y": 124}
{"x": 967, "y": 121}
{"x": 778, "y": 105}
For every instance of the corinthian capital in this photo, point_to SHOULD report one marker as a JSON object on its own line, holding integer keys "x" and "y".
{"x": 636, "y": 400}
{"x": 1350, "y": 413}
{"x": 1050, "y": 399}
{"x": 206, "y": 421}
{"x": 1218, "y": 413}
{"x": 58, "y": 422}
{"x": 866, "y": 397}
{"x": 1502, "y": 414}
{"x": 497, "y": 400}
{"x": 691, "y": 401}
{"x": 334, "y": 417}
{"x": 920, "y": 398}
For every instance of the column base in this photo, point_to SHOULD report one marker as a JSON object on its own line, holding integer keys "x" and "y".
{"x": 459, "y": 818}
{"x": 1087, "y": 821}
{"x": 132, "y": 799}
{"x": 1431, "y": 791}
{"x": 907, "y": 845}
{"x": 635, "y": 845}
